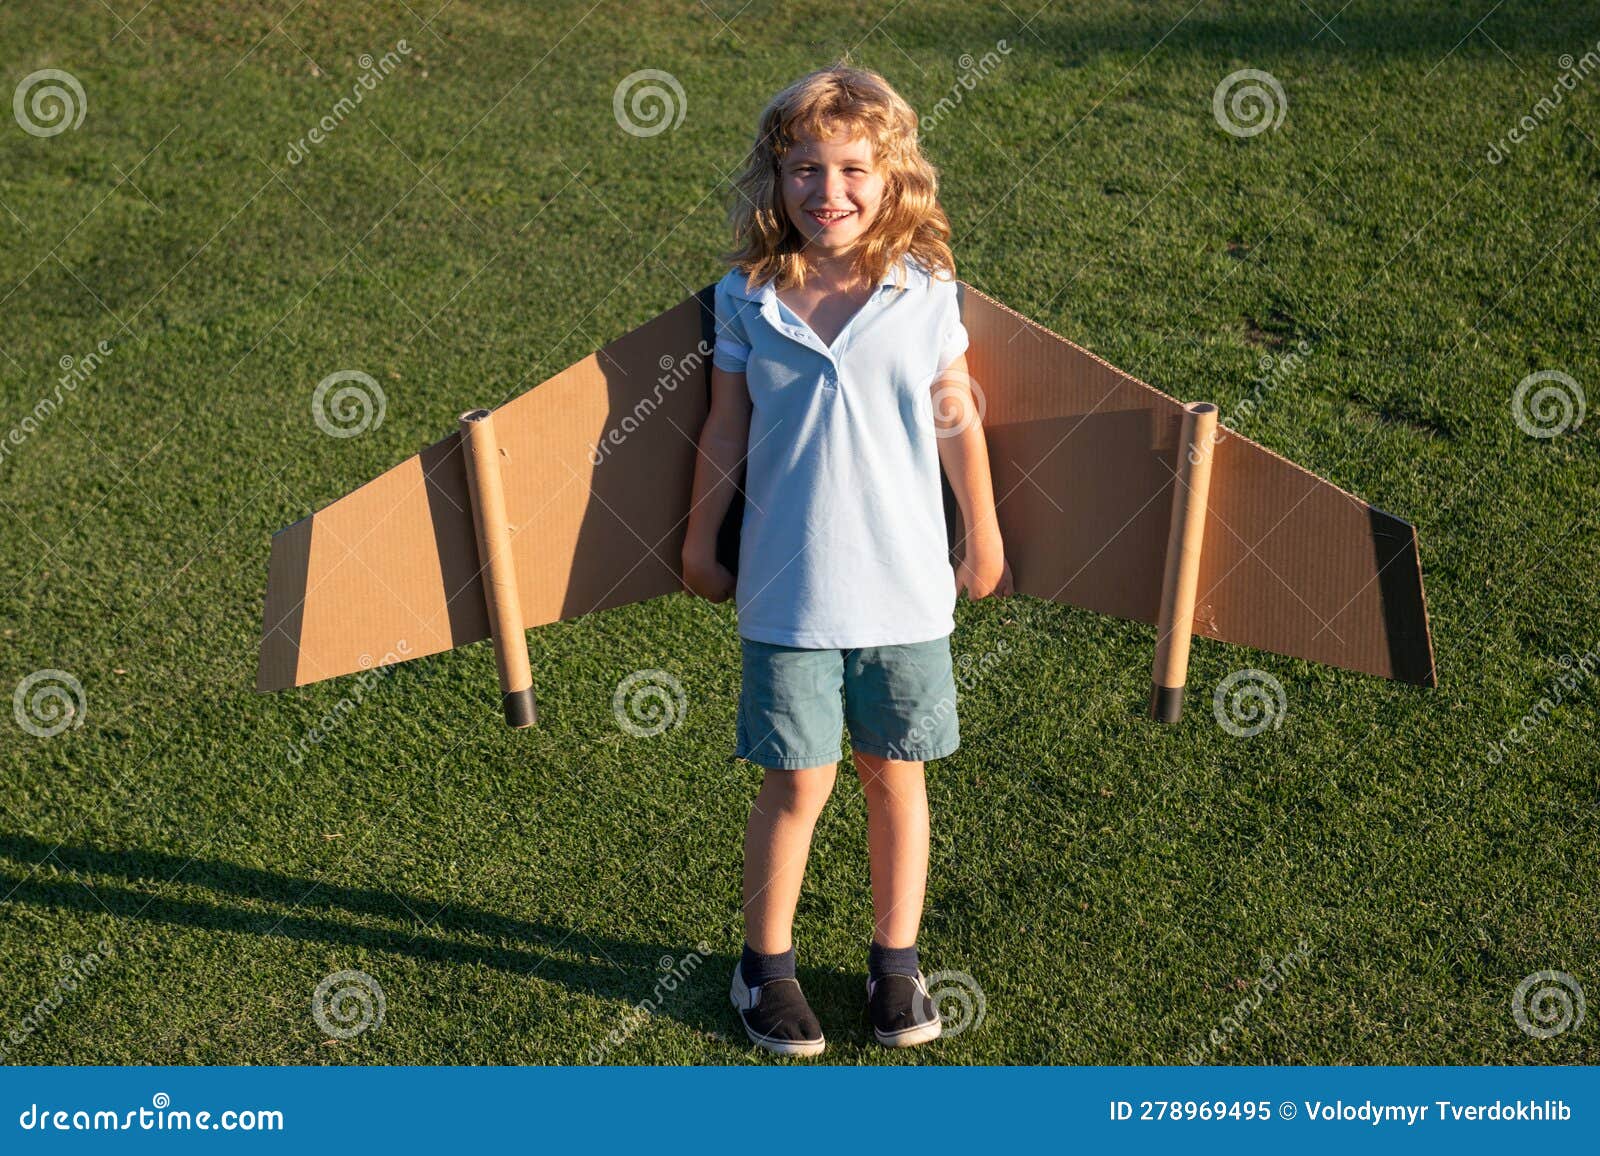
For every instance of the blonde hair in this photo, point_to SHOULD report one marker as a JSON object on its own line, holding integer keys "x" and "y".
{"x": 767, "y": 246}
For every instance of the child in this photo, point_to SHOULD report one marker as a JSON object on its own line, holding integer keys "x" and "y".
{"x": 839, "y": 387}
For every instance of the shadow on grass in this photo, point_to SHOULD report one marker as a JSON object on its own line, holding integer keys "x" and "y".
{"x": 627, "y": 971}
{"x": 1535, "y": 32}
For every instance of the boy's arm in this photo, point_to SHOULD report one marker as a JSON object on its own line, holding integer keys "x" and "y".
{"x": 964, "y": 454}
{"x": 719, "y": 464}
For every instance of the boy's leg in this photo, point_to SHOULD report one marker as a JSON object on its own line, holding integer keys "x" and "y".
{"x": 900, "y": 702}
{"x": 777, "y": 841}
{"x": 903, "y": 1013}
{"x": 897, "y": 840}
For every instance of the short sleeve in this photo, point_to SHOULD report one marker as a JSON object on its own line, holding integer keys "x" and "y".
{"x": 953, "y": 339}
{"x": 732, "y": 348}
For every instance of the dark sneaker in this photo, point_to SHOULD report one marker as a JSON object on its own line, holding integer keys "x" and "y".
{"x": 776, "y": 1016}
{"x": 903, "y": 1013}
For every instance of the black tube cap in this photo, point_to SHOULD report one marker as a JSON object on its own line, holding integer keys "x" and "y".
{"x": 520, "y": 711}
{"x": 1166, "y": 703}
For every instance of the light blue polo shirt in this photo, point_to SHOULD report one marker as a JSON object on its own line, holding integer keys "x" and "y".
{"x": 843, "y": 543}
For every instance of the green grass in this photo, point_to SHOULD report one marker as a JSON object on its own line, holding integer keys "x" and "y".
{"x": 1111, "y": 885}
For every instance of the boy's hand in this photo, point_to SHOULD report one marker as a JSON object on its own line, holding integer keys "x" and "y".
{"x": 705, "y": 576}
{"x": 984, "y": 570}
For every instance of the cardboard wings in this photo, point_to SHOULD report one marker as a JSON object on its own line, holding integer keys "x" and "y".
{"x": 573, "y": 497}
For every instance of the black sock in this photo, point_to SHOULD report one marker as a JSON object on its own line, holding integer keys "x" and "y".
{"x": 882, "y": 961}
{"x": 758, "y": 969}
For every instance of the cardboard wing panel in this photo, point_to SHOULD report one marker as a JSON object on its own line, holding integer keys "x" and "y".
{"x": 1084, "y": 460}
{"x": 388, "y": 570}
{"x": 1293, "y": 564}
{"x": 599, "y": 465}
{"x": 600, "y": 468}
{"x": 1080, "y": 455}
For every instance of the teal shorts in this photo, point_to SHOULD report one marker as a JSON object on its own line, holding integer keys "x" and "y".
{"x": 899, "y": 702}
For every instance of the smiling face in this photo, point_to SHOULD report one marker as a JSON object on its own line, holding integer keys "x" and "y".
{"x": 831, "y": 191}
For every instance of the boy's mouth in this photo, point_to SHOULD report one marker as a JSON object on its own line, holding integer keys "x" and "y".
{"x": 830, "y": 217}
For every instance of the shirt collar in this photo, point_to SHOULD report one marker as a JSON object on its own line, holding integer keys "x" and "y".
{"x": 914, "y": 275}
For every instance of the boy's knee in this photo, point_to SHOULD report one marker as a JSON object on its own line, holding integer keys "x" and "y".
{"x": 882, "y": 776}
{"x": 803, "y": 790}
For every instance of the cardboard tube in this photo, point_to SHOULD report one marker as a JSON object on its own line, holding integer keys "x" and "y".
{"x": 480, "y": 451}
{"x": 1175, "y": 622}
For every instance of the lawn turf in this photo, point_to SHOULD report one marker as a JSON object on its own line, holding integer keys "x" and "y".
{"x": 480, "y": 221}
